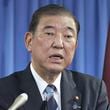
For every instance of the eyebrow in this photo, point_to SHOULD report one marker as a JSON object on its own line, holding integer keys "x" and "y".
{"x": 71, "y": 29}
{"x": 50, "y": 27}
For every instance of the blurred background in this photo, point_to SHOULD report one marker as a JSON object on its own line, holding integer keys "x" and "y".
{"x": 93, "y": 15}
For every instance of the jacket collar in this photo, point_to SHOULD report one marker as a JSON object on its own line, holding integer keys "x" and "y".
{"x": 28, "y": 85}
{"x": 70, "y": 96}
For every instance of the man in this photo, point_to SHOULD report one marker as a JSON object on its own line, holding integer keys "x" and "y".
{"x": 52, "y": 41}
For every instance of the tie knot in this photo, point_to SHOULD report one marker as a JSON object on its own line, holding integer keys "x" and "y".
{"x": 50, "y": 89}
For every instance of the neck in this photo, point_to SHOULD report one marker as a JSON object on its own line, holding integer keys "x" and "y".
{"x": 49, "y": 77}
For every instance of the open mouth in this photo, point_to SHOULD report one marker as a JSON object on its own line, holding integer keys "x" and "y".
{"x": 59, "y": 56}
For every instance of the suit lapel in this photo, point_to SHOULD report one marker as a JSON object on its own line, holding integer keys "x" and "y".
{"x": 70, "y": 96}
{"x": 28, "y": 85}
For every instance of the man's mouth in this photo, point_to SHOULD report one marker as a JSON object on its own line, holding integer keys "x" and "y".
{"x": 57, "y": 56}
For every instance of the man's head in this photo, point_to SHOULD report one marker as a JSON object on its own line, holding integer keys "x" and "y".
{"x": 50, "y": 10}
{"x": 52, "y": 39}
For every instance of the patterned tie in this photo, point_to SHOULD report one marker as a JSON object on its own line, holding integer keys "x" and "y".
{"x": 51, "y": 102}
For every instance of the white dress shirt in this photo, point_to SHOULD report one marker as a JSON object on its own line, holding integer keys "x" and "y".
{"x": 43, "y": 84}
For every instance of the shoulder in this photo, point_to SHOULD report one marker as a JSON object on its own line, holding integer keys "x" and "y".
{"x": 86, "y": 81}
{"x": 89, "y": 86}
{"x": 91, "y": 89}
{"x": 82, "y": 76}
{"x": 10, "y": 81}
{"x": 15, "y": 77}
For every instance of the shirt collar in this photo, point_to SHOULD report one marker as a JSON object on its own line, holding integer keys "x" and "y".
{"x": 43, "y": 84}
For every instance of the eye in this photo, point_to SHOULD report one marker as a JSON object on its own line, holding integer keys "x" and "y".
{"x": 68, "y": 36}
{"x": 49, "y": 33}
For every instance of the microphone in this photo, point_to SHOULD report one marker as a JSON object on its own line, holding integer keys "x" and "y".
{"x": 19, "y": 101}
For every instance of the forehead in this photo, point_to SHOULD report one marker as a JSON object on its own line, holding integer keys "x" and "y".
{"x": 60, "y": 22}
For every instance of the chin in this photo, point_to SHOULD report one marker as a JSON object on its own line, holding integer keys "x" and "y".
{"x": 56, "y": 69}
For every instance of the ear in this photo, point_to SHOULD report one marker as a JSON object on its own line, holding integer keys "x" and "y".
{"x": 28, "y": 41}
{"x": 76, "y": 44}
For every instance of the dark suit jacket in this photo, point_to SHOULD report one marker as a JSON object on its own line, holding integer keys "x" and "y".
{"x": 91, "y": 92}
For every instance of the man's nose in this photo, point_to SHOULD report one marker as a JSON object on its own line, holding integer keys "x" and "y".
{"x": 58, "y": 41}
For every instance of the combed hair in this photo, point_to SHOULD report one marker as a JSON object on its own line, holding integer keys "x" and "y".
{"x": 51, "y": 9}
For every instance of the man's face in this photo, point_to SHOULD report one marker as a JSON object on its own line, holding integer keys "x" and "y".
{"x": 53, "y": 44}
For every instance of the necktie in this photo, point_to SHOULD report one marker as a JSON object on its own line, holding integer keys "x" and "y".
{"x": 51, "y": 102}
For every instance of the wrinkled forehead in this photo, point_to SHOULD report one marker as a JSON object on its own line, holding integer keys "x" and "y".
{"x": 57, "y": 21}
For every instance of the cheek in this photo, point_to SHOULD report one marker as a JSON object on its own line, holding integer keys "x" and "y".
{"x": 41, "y": 46}
{"x": 70, "y": 52}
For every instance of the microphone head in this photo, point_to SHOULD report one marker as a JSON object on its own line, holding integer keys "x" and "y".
{"x": 23, "y": 96}
{"x": 19, "y": 101}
